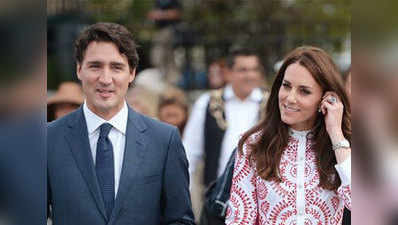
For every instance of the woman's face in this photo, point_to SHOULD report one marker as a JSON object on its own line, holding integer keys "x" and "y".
{"x": 172, "y": 114}
{"x": 299, "y": 98}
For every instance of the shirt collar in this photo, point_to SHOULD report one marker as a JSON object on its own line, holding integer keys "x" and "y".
{"x": 119, "y": 121}
{"x": 298, "y": 134}
{"x": 256, "y": 95}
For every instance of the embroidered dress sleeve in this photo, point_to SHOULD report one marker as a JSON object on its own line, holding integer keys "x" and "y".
{"x": 344, "y": 191}
{"x": 242, "y": 205}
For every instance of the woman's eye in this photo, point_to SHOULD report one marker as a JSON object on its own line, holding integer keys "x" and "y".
{"x": 306, "y": 92}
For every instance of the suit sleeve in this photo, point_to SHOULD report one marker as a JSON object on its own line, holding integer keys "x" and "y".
{"x": 176, "y": 200}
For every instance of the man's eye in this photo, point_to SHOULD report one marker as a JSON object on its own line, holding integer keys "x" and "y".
{"x": 117, "y": 67}
{"x": 94, "y": 66}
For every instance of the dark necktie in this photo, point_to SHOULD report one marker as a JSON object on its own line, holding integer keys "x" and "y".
{"x": 104, "y": 167}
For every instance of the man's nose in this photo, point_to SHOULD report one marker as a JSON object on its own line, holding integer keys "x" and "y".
{"x": 106, "y": 77}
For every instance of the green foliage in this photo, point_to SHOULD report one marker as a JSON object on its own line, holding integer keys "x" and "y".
{"x": 273, "y": 27}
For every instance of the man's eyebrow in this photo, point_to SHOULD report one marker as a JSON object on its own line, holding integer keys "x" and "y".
{"x": 118, "y": 64}
{"x": 94, "y": 62}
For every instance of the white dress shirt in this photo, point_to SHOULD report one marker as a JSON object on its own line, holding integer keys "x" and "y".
{"x": 117, "y": 136}
{"x": 240, "y": 116}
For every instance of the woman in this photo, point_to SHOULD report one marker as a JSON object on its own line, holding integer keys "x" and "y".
{"x": 295, "y": 166}
{"x": 173, "y": 110}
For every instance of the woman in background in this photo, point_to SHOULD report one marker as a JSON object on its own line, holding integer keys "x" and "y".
{"x": 68, "y": 98}
{"x": 173, "y": 108}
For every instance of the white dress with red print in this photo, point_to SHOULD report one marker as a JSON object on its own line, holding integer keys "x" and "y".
{"x": 297, "y": 200}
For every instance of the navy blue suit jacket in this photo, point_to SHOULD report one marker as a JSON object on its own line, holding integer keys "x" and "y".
{"x": 154, "y": 183}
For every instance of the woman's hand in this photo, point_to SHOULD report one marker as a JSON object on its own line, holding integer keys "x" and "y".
{"x": 332, "y": 108}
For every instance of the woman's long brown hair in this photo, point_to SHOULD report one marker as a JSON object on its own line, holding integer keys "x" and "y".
{"x": 266, "y": 150}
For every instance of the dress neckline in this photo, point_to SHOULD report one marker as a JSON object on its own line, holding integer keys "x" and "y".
{"x": 298, "y": 133}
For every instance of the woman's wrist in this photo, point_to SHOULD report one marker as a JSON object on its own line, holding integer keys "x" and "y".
{"x": 336, "y": 137}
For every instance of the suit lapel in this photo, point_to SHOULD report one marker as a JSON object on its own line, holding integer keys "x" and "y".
{"x": 80, "y": 148}
{"x": 133, "y": 158}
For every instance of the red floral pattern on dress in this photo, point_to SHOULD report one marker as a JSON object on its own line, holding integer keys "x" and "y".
{"x": 256, "y": 201}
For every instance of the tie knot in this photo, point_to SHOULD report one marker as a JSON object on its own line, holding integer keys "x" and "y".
{"x": 105, "y": 128}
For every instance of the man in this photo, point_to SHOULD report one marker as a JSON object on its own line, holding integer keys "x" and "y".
{"x": 106, "y": 163}
{"x": 220, "y": 117}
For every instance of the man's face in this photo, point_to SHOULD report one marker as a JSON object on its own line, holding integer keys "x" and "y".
{"x": 105, "y": 76}
{"x": 245, "y": 75}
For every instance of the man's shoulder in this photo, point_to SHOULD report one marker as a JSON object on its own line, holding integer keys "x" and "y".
{"x": 155, "y": 125}
{"x": 203, "y": 100}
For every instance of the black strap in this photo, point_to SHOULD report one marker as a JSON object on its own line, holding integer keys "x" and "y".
{"x": 218, "y": 193}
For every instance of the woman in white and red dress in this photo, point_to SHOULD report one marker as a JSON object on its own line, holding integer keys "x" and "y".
{"x": 295, "y": 166}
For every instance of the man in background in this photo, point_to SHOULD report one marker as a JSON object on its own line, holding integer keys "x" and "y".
{"x": 221, "y": 116}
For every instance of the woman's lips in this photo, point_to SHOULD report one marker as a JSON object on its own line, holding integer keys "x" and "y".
{"x": 290, "y": 109}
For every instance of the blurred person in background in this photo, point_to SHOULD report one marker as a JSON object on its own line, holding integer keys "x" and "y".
{"x": 295, "y": 166}
{"x": 68, "y": 98}
{"x": 108, "y": 164}
{"x": 347, "y": 82}
{"x": 376, "y": 145}
{"x": 152, "y": 80}
{"x": 217, "y": 74}
{"x": 165, "y": 14}
{"x": 143, "y": 100}
{"x": 219, "y": 117}
{"x": 173, "y": 108}
{"x": 22, "y": 114}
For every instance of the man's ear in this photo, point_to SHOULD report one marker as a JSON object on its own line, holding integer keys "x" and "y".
{"x": 78, "y": 68}
{"x": 132, "y": 75}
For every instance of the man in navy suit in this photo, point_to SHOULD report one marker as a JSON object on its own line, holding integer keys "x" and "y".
{"x": 106, "y": 163}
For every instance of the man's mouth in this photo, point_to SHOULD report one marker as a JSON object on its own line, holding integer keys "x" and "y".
{"x": 105, "y": 93}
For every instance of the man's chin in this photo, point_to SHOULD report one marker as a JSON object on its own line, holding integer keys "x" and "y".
{"x": 105, "y": 106}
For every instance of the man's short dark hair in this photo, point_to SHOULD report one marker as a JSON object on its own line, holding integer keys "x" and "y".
{"x": 239, "y": 52}
{"x": 108, "y": 32}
